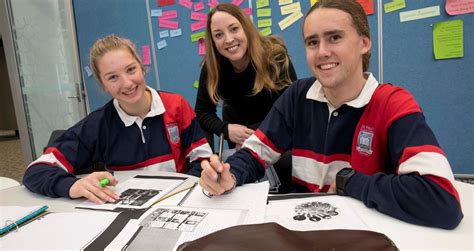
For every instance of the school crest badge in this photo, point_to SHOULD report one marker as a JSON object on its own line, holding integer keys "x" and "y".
{"x": 364, "y": 140}
{"x": 173, "y": 132}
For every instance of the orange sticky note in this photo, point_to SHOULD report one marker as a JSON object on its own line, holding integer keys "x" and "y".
{"x": 368, "y": 6}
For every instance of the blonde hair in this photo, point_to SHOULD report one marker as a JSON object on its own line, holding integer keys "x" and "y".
{"x": 268, "y": 55}
{"x": 110, "y": 43}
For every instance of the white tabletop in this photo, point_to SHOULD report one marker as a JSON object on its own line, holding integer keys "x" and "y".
{"x": 406, "y": 236}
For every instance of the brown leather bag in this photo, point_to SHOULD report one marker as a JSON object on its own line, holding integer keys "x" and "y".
{"x": 272, "y": 236}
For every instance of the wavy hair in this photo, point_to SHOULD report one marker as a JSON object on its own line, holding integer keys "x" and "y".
{"x": 268, "y": 55}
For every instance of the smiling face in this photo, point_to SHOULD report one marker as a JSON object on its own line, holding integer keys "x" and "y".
{"x": 122, "y": 77}
{"x": 230, "y": 39}
{"x": 334, "y": 48}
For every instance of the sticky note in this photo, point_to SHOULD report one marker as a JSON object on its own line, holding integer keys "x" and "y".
{"x": 88, "y": 71}
{"x": 165, "y": 2}
{"x": 419, "y": 13}
{"x": 283, "y": 2}
{"x": 156, "y": 12}
{"x": 290, "y": 8}
{"x": 264, "y": 23}
{"x": 212, "y": 3}
{"x": 175, "y": 33}
{"x": 394, "y": 5}
{"x": 448, "y": 39}
{"x": 162, "y": 44}
{"x": 196, "y": 84}
{"x": 367, "y": 5}
{"x": 266, "y": 31}
{"x": 248, "y": 11}
{"x": 262, "y": 3}
{"x": 198, "y": 16}
{"x": 312, "y": 2}
{"x": 457, "y": 7}
{"x": 199, "y": 6}
{"x": 196, "y": 36}
{"x": 164, "y": 23}
{"x": 169, "y": 14}
{"x": 198, "y": 25}
{"x": 164, "y": 33}
{"x": 202, "y": 47}
{"x": 266, "y": 12}
{"x": 146, "y": 55}
{"x": 186, "y": 3}
{"x": 289, "y": 20}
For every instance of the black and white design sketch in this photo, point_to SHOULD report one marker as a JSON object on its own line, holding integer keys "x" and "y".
{"x": 175, "y": 219}
{"x": 315, "y": 211}
{"x": 136, "y": 197}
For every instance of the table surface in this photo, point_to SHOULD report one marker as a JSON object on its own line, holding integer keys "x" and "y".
{"x": 406, "y": 236}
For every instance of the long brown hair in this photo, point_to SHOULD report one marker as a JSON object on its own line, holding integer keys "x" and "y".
{"x": 359, "y": 19}
{"x": 268, "y": 55}
{"x": 110, "y": 43}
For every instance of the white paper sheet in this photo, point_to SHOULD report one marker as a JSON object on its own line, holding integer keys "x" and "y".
{"x": 165, "y": 228}
{"x": 251, "y": 197}
{"x": 314, "y": 213}
{"x": 58, "y": 231}
{"x": 137, "y": 193}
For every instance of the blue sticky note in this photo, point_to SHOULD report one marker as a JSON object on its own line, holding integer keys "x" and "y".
{"x": 164, "y": 33}
{"x": 156, "y": 12}
{"x": 88, "y": 71}
{"x": 175, "y": 33}
{"x": 162, "y": 44}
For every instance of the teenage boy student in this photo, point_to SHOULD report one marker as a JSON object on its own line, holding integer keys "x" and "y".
{"x": 348, "y": 134}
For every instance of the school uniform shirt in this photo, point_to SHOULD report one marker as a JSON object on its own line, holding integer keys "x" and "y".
{"x": 169, "y": 138}
{"x": 382, "y": 134}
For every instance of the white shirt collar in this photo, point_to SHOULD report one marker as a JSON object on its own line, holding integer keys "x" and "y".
{"x": 316, "y": 92}
{"x": 157, "y": 108}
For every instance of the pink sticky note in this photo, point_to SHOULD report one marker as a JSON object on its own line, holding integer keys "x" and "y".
{"x": 165, "y": 2}
{"x": 237, "y": 2}
{"x": 164, "y": 23}
{"x": 213, "y": 3}
{"x": 186, "y": 3}
{"x": 199, "y": 6}
{"x": 198, "y": 25}
{"x": 457, "y": 7}
{"x": 202, "y": 47}
{"x": 146, "y": 55}
{"x": 198, "y": 16}
{"x": 169, "y": 14}
{"x": 248, "y": 11}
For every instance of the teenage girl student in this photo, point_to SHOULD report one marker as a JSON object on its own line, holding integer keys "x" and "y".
{"x": 140, "y": 128}
{"x": 245, "y": 70}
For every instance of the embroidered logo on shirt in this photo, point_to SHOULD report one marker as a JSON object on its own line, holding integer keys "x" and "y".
{"x": 364, "y": 140}
{"x": 173, "y": 132}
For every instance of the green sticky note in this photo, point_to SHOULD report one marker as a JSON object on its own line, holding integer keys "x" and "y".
{"x": 196, "y": 84}
{"x": 266, "y": 12}
{"x": 196, "y": 36}
{"x": 264, "y": 23}
{"x": 394, "y": 5}
{"x": 262, "y": 3}
{"x": 266, "y": 31}
{"x": 448, "y": 39}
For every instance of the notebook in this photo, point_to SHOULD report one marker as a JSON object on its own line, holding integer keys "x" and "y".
{"x": 12, "y": 217}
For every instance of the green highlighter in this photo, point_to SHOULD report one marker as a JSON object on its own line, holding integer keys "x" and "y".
{"x": 104, "y": 182}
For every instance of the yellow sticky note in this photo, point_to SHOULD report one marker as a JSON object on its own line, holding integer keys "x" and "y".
{"x": 411, "y": 15}
{"x": 266, "y": 12}
{"x": 283, "y": 2}
{"x": 312, "y": 2}
{"x": 448, "y": 39}
{"x": 264, "y": 23}
{"x": 262, "y": 3}
{"x": 196, "y": 84}
{"x": 196, "y": 36}
{"x": 290, "y": 8}
{"x": 289, "y": 20}
{"x": 394, "y": 5}
{"x": 266, "y": 31}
